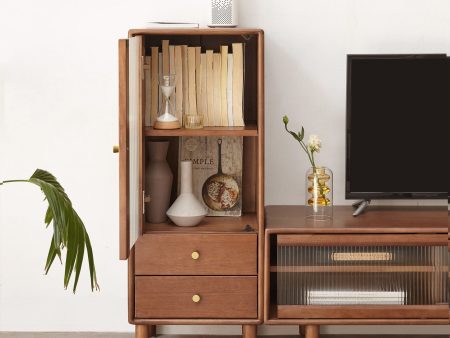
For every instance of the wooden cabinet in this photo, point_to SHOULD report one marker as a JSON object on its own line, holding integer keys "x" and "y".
{"x": 387, "y": 266}
{"x": 211, "y": 273}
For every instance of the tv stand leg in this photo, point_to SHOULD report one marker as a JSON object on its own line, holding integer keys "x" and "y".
{"x": 360, "y": 207}
{"x": 248, "y": 331}
{"x": 141, "y": 331}
{"x": 301, "y": 331}
{"x": 312, "y": 331}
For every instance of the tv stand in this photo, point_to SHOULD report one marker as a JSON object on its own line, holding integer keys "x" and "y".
{"x": 360, "y": 206}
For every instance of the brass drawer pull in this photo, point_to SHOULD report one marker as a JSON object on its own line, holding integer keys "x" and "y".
{"x": 196, "y": 298}
{"x": 115, "y": 149}
{"x": 195, "y": 255}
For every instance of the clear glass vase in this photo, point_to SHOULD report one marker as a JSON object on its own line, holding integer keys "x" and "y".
{"x": 319, "y": 194}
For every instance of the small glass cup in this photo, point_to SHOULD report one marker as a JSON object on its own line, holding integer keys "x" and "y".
{"x": 193, "y": 121}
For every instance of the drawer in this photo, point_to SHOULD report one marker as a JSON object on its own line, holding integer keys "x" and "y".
{"x": 199, "y": 254}
{"x": 195, "y": 297}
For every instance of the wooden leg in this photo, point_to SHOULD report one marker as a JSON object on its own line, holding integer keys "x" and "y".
{"x": 152, "y": 330}
{"x": 301, "y": 330}
{"x": 312, "y": 331}
{"x": 248, "y": 331}
{"x": 141, "y": 331}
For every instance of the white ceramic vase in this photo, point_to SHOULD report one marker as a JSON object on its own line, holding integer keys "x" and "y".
{"x": 187, "y": 210}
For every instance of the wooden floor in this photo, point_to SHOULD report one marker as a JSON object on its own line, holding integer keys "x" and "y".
{"x": 130, "y": 335}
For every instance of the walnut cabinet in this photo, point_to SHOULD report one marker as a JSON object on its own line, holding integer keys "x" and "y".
{"x": 211, "y": 273}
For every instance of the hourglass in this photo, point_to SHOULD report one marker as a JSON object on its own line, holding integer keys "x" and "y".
{"x": 166, "y": 118}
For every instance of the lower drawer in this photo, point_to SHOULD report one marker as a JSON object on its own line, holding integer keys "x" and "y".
{"x": 195, "y": 297}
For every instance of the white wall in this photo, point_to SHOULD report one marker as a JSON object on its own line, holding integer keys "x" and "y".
{"x": 58, "y": 111}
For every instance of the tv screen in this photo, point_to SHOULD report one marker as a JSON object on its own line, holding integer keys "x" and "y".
{"x": 398, "y": 109}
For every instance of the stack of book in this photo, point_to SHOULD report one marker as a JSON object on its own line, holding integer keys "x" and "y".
{"x": 207, "y": 83}
{"x": 316, "y": 297}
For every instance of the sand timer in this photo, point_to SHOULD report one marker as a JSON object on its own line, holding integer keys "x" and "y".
{"x": 166, "y": 117}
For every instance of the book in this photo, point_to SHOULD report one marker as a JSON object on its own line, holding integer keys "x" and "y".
{"x": 203, "y": 103}
{"x": 184, "y": 55}
{"x": 210, "y": 87}
{"x": 230, "y": 90}
{"x": 220, "y": 190}
{"x": 179, "y": 83}
{"x": 223, "y": 86}
{"x": 217, "y": 89}
{"x": 165, "y": 57}
{"x": 160, "y": 72}
{"x": 238, "y": 84}
{"x": 148, "y": 90}
{"x": 192, "y": 82}
{"x": 172, "y": 59}
{"x": 154, "y": 85}
{"x": 198, "y": 51}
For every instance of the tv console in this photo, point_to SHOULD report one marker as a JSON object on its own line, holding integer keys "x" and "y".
{"x": 389, "y": 266}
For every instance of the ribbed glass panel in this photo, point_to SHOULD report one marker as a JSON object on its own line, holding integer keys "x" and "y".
{"x": 352, "y": 275}
{"x": 134, "y": 135}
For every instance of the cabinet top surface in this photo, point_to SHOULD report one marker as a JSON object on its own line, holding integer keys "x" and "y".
{"x": 194, "y": 31}
{"x": 376, "y": 219}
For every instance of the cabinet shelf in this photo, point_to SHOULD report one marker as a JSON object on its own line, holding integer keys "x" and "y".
{"x": 249, "y": 130}
{"x": 209, "y": 225}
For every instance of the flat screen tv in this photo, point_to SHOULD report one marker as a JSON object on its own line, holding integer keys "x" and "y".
{"x": 397, "y": 144}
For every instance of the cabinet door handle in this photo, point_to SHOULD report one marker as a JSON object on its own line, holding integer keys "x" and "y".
{"x": 196, "y": 298}
{"x": 195, "y": 255}
{"x": 115, "y": 149}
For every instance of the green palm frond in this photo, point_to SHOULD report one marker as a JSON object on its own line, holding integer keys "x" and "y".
{"x": 69, "y": 231}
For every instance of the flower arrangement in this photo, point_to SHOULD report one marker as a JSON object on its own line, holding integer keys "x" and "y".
{"x": 318, "y": 178}
{"x": 314, "y": 143}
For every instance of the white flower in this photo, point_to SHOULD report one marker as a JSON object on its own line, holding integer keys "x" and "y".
{"x": 314, "y": 143}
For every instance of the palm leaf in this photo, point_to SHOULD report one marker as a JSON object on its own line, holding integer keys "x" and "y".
{"x": 69, "y": 231}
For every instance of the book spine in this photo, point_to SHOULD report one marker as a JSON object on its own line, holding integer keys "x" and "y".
{"x": 238, "y": 84}
{"x": 198, "y": 51}
{"x": 160, "y": 73}
{"x": 230, "y": 91}
{"x": 154, "y": 84}
{"x": 179, "y": 83}
{"x": 217, "y": 89}
{"x": 223, "y": 86}
{"x": 165, "y": 57}
{"x": 203, "y": 106}
{"x": 210, "y": 87}
{"x": 148, "y": 90}
{"x": 184, "y": 53}
{"x": 192, "y": 81}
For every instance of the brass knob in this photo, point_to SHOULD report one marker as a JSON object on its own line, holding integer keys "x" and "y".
{"x": 195, "y": 255}
{"x": 196, "y": 298}
{"x": 115, "y": 149}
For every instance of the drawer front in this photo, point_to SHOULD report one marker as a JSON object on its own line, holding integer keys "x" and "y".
{"x": 199, "y": 254}
{"x": 195, "y": 297}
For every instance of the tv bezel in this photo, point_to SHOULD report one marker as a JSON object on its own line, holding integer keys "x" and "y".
{"x": 379, "y": 195}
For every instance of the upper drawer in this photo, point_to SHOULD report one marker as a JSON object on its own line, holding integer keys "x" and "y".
{"x": 196, "y": 254}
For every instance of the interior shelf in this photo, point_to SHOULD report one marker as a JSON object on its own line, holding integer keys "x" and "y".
{"x": 245, "y": 223}
{"x": 249, "y": 130}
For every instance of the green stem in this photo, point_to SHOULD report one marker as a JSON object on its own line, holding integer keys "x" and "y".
{"x": 11, "y": 181}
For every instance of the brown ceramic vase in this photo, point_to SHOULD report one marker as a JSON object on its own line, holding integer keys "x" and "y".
{"x": 158, "y": 182}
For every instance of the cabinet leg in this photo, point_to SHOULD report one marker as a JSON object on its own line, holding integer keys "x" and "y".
{"x": 312, "y": 331}
{"x": 301, "y": 330}
{"x": 152, "y": 330}
{"x": 141, "y": 331}
{"x": 248, "y": 331}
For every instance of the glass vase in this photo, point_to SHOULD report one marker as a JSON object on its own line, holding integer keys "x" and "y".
{"x": 319, "y": 194}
